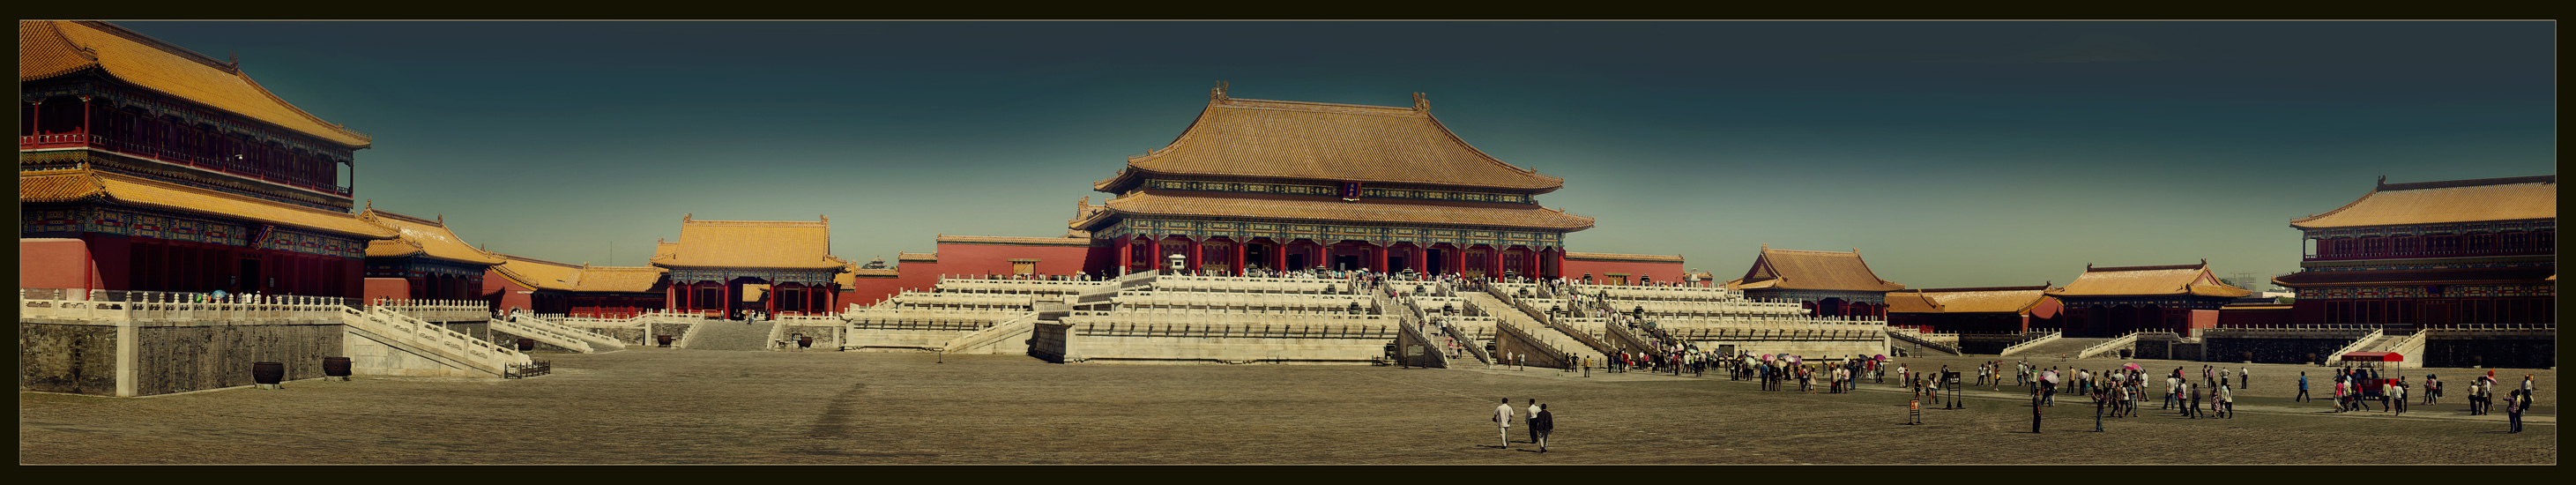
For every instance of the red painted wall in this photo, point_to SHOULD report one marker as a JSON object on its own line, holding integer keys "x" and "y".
{"x": 2202, "y": 319}
{"x": 979, "y": 259}
{"x": 1662, "y": 272}
{"x": 503, "y": 293}
{"x": 388, "y": 289}
{"x": 55, "y": 263}
{"x": 868, "y": 291}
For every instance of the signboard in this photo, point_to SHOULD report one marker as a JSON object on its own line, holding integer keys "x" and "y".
{"x": 1414, "y": 350}
{"x": 1350, "y": 191}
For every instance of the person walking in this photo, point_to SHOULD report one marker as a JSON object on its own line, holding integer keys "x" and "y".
{"x": 2245, "y": 377}
{"x": 1503, "y": 421}
{"x": 2397, "y": 394}
{"x": 1544, "y": 423}
{"x": 2514, "y": 403}
{"x": 1530, "y": 409}
{"x": 2173, "y": 388}
{"x": 2225, "y": 402}
{"x": 2303, "y": 388}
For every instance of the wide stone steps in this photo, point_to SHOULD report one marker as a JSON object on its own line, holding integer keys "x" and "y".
{"x": 2061, "y": 348}
{"x": 1510, "y": 315}
{"x": 730, "y": 335}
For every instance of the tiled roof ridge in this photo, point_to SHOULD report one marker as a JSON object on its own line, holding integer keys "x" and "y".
{"x": 2106, "y": 269}
{"x": 704, "y": 222}
{"x": 2384, "y": 186}
{"x": 534, "y": 260}
{"x": 2042, "y": 287}
{"x": 1319, "y": 106}
{"x": 81, "y": 176}
{"x": 1811, "y": 251}
{"x": 232, "y": 68}
{"x": 372, "y": 210}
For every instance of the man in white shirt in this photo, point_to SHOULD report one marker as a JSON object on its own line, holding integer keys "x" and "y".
{"x": 1503, "y": 421}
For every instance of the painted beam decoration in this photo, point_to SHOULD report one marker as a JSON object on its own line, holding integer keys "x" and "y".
{"x": 1244, "y": 230}
{"x": 684, "y": 276}
{"x": 167, "y": 226}
{"x": 2169, "y": 302}
{"x": 1812, "y": 295}
{"x": 1348, "y": 191}
{"x": 2422, "y": 291}
{"x": 2431, "y": 229}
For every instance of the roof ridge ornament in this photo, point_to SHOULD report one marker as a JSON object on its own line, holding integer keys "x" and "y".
{"x": 1420, "y": 104}
{"x": 1218, "y": 94}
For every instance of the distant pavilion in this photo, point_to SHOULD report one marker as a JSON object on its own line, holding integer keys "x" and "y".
{"x": 725, "y": 267}
{"x": 2111, "y": 301}
{"x": 2432, "y": 253}
{"x": 1827, "y": 282}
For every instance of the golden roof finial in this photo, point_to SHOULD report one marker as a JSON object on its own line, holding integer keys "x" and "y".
{"x": 1420, "y": 104}
{"x": 1218, "y": 93}
{"x": 688, "y": 216}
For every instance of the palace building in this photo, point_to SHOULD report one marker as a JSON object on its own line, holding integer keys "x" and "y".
{"x": 425, "y": 262}
{"x": 146, "y": 166}
{"x": 2432, "y": 254}
{"x": 550, "y": 288}
{"x": 1988, "y": 310}
{"x": 724, "y": 268}
{"x": 2110, "y": 301}
{"x": 1290, "y": 185}
{"x": 1827, "y": 283}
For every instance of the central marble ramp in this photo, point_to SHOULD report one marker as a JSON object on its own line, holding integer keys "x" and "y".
{"x": 729, "y": 335}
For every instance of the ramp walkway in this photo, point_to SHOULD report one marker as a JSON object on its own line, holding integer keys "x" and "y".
{"x": 728, "y": 335}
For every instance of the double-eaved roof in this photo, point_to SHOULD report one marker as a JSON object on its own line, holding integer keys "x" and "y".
{"x": 2495, "y": 199}
{"x": 1329, "y": 142}
{"x": 84, "y": 185}
{"x": 1811, "y": 270}
{"x": 750, "y": 244}
{"x": 1998, "y": 299}
{"x": 424, "y": 237}
{"x": 48, "y": 49}
{"x": 2181, "y": 279}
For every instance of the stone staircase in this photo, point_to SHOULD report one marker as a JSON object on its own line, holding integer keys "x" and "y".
{"x": 729, "y": 335}
{"x": 1520, "y": 321}
{"x": 2062, "y": 348}
{"x": 559, "y": 335}
{"x": 431, "y": 341}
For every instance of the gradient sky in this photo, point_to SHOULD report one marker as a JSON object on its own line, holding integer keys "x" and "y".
{"x": 1949, "y": 153}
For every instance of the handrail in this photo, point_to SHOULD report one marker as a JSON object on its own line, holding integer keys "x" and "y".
{"x": 1910, "y": 337}
{"x": 2130, "y": 338}
{"x": 2358, "y": 344}
{"x": 2032, "y": 342}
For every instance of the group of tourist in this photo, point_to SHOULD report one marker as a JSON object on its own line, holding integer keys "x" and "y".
{"x": 1534, "y": 417}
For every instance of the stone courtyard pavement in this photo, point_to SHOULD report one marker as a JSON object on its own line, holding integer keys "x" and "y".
{"x": 654, "y": 405}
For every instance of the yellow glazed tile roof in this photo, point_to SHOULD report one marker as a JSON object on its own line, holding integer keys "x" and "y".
{"x": 1967, "y": 300}
{"x": 2192, "y": 279}
{"x": 628, "y": 279}
{"x": 1335, "y": 142}
{"x": 420, "y": 236}
{"x": 53, "y": 48}
{"x": 538, "y": 274}
{"x": 752, "y": 244}
{"x": 82, "y": 184}
{"x": 1330, "y": 209}
{"x": 1811, "y": 270}
{"x": 2445, "y": 201}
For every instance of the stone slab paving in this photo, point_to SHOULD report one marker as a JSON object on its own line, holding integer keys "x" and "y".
{"x": 695, "y": 406}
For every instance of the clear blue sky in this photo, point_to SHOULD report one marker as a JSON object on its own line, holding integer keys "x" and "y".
{"x": 1949, "y": 153}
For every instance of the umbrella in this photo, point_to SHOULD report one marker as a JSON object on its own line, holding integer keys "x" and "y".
{"x": 1766, "y": 357}
{"x": 1793, "y": 359}
{"x": 1878, "y": 357}
{"x": 2050, "y": 376}
{"x": 2131, "y": 366}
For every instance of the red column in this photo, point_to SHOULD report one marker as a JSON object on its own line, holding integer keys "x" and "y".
{"x": 1126, "y": 253}
{"x": 1379, "y": 248}
{"x": 1529, "y": 267}
{"x": 1194, "y": 253}
{"x": 1237, "y": 258}
{"x": 727, "y": 304}
{"x": 1278, "y": 255}
{"x": 1494, "y": 263}
{"x": 84, "y": 128}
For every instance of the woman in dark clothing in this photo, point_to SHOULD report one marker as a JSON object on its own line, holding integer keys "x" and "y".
{"x": 1545, "y": 423}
